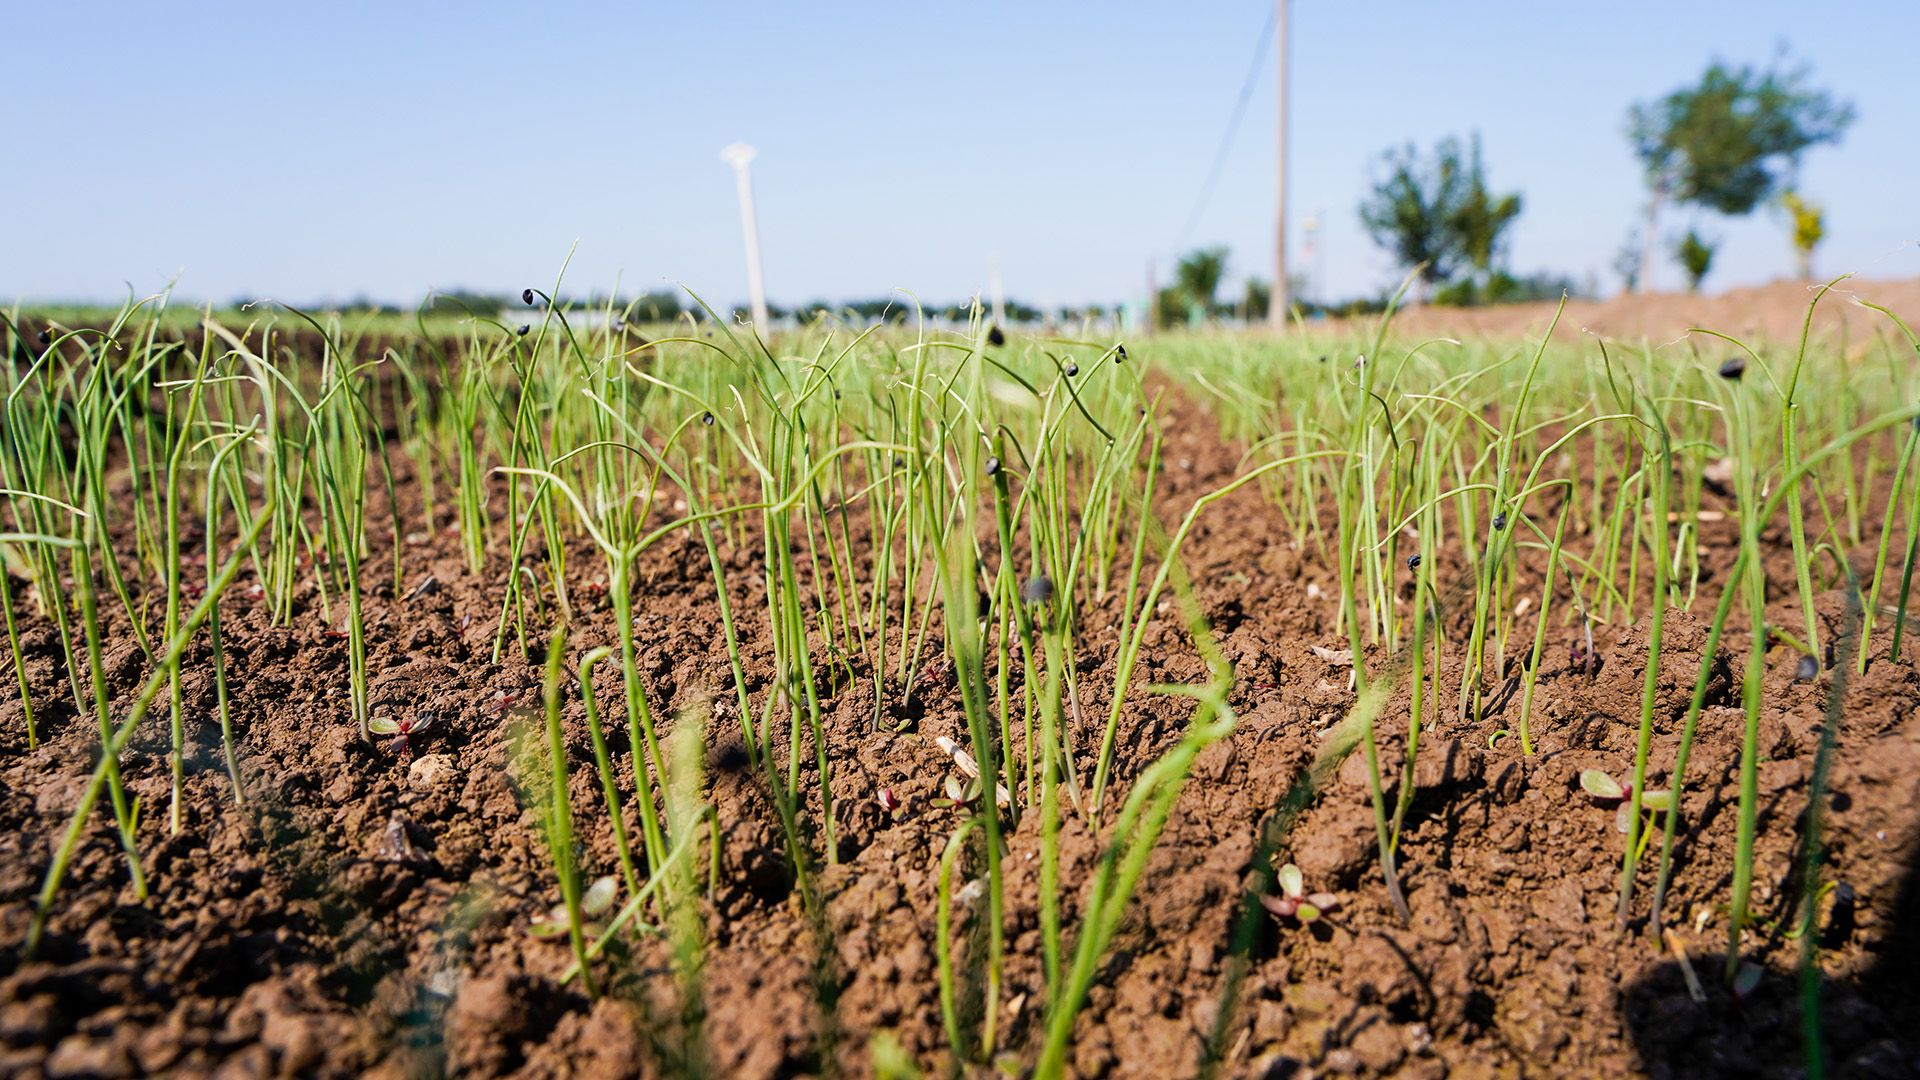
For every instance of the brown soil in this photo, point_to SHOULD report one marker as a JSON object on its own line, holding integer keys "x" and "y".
{"x": 367, "y": 911}
{"x": 1772, "y": 312}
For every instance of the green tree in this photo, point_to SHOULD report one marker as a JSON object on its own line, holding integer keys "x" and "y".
{"x": 1258, "y": 297}
{"x": 1437, "y": 213}
{"x": 1729, "y": 143}
{"x": 1695, "y": 253}
{"x": 1629, "y": 261}
{"x": 1809, "y": 228}
{"x": 1197, "y": 277}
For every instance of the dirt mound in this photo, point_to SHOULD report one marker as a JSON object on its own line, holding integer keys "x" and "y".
{"x": 1772, "y": 312}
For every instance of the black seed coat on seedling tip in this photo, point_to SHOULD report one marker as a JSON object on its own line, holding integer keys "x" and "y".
{"x": 995, "y": 337}
{"x": 1072, "y": 369}
{"x": 522, "y": 331}
{"x": 46, "y": 338}
{"x": 1037, "y": 590}
{"x": 993, "y": 466}
{"x": 1734, "y": 368}
{"x": 707, "y": 419}
{"x": 1499, "y": 522}
{"x": 1413, "y": 562}
{"x": 526, "y": 296}
{"x": 1119, "y": 354}
{"x": 1808, "y": 670}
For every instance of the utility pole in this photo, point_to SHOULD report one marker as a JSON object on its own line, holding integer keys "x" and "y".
{"x": 738, "y": 155}
{"x": 1277, "y": 301}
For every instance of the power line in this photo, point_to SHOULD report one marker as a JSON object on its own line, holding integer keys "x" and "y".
{"x": 1261, "y": 43}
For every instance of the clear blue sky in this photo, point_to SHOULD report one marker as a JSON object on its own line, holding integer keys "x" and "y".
{"x": 308, "y": 151}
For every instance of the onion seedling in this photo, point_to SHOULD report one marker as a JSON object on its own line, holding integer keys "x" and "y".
{"x": 558, "y": 813}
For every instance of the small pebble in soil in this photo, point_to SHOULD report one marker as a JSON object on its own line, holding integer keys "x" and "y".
{"x": 396, "y": 841}
{"x": 428, "y": 771}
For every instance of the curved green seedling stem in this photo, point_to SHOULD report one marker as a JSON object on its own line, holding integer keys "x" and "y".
{"x": 76, "y": 826}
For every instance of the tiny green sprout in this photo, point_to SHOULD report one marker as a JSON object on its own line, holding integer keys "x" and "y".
{"x": 599, "y": 896}
{"x": 1734, "y": 368}
{"x": 1598, "y": 784}
{"x": 1605, "y": 789}
{"x": 1294, "y": 901}
{"x": 1292, "y": 882}
{"x": 958, "y": 792}
{"x": 596, "y": 901}
{"x": 403, "y": 731}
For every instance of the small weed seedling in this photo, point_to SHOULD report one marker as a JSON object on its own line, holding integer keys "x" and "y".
{"x": 957, "y": 792}
{"x": 596, "y": 901}
{"x": 1607, "y": 791}
{"x": 1294, "y": 902}
{"x": 403, "y": 731}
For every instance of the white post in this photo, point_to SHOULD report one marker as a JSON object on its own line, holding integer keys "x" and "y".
{"x": 738, "y": 155}
{"x": 1277, "y": 300}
